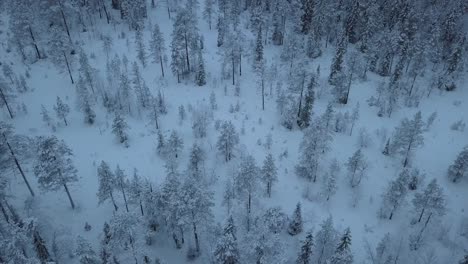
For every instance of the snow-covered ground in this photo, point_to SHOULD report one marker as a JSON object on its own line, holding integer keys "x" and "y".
{"x": 91, "y": 144}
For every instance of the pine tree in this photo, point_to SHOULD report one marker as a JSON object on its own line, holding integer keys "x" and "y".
{"x": 62, "y": 110}
{"x": 84, "y": 101}
{"x": 59, "y": 47}
{"x": 86, "y": 71}
{"x": 325, "y": 239}
{"x": 394, "y": 196}
{"x": 124, "y": 94}
{"x": 161, "y": 146}
{"x": 354, "y": 117}
{"x": 227, "y": 140}
{"x": 464, "y": 260}
{"x": 46, "y": 117}
{"x": 136, "y": 190}
{"x": 54, "y": 167}
{"x": 200, "y": 76}
{"x": 408, "y": 136}
{"x": 356, "y": 165}
{"x": 226, "y": 251}
{"x": 120, "y": 128}
{"x": 85, "y": 252}
{"x": 459, "y": 168}
{"x": 107, "y": 184}
{"x": 337, "y": 63}
{"x": 329, "y": 184}
{"x": 157, "y": 47}
{"x": 121, "y": 183}
{"x": 295, "y": 224}
{"x": 140, "y": 47}
{"x": 315, "y": 143}
{"x": 305, "y": 255}
{"x": 307, "y": 7}
{"x": 269, "y": 173}
{"x": 175, "y": 144}
{"x": 304, "y": 117}
{"x": 13, "y": 152}
{"x": 342, "y": 253}
{"x": 6, "y": 96}
{"x": 430, "y": 202}
{"x": 196, "y": 162}
{"x": 208, "y": 12}
{"x": 246, "y": 183}
{"x": 258, "y": 63}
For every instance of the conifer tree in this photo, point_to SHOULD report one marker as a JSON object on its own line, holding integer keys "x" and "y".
{"x": 430, "y": 202}
{"x": 408, "y": 136}
{"x": 325, "y": 240}
{"x": 200, "y": 76}
{"x": 120, "y": 128}
{"x": 136, "y": 190}
{"x": 85, "y": 252}
{"x": 459, "y": 168}
{"x": 208, "y": 12}
{"x": 62, "y": 110}
{"x": 258, "y": 63}
{"x": 227, "y": 140}
{"x": 394, "y": 196}
{"x": 157, "y": 47}
{"x": 337, "y": 63}
{"x": 305, "y": 255}
{"x": 305, "y": 113}
{"x": 269, "y": 173}
{"x": 343, "y": 253}
{"x": 246, "y": 183}
{"x": 6, "y": 96}
{"x": 356, "y": 165}
{"x": 175, "y": 144}
{"x": 329, "y": 184}
{"x": 107, "y": 184}
{"x": 140, "y": 47}
{"x": 226, "y": 251}
{"x": 86, "y": 71}
{"x": 121, "y": 183}
{"x": 54, "y": 167}
{"x": 295, "y": 224}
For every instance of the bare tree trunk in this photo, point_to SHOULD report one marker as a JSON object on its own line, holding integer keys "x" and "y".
{"x": 240, "y": 64}
{"x": 186, "y": 51}
{"x": 6, "y": 103}
{"x": 69, "y": 196}
{"x": 38, "y": 54}
{"x": 68, "y": 67}
{"x": 161, "y": 61}
{"x": 65, "y": 21}
{"x": 105, "y": 11}
{"x": 124, "y": 196}
{"x": 141, "y": 208}
{"x": 263, "y": 94}
{"x": 18, "y": 165}
{"x": 7, "y": 219}
{"x": 195, "y": 235}
{"x": 113, "y": 201}
{"x": 233, "y": 69}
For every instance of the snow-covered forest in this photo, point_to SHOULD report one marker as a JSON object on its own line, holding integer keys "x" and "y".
{"x": 234, "y": 131}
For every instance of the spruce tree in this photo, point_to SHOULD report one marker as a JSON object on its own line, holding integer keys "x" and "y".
{"x": 343, "y": 253}
{"x": 54, "y": 166}
{"x": 226, "y": 251}
{"x": 200, "y": 76}
{"x": 356, "y": 165}
{"x": 408, "y": 136}
{"x": 269, "y": 173}
{"x": 157, "y": 47}
{"x": 430, "y": 202}
{"x": 459, "y": 168}
{"x": 121, "y": 183}
{"x": 62, "y": 110}
{"x": 246, "y": 183}
{"x": 295, "y": 224}
{"x": 120, "y": 128}
{"x": 394, "y": 196}
{"x": 304, "y": 117}
{"x": 305, "y": 255}
{"x": 337, "y": 63}
{"x": 227, "y": 140}
{"x": 107, "y": 184}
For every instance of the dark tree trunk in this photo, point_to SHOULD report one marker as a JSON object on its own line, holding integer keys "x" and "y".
{"x": 113, "y": 201}
{"x": 18, "y": 166}
{"x": 68, "y": 67}
{"x": 6, "y": 103}
{"x": 141, "y": 208}
{"x": 263, "y": 94}
{"x": 65, "y": 22}
{"x": 38, "y": 54}
{"x": 69, "y": 196}
{"x": 161, "y": 61}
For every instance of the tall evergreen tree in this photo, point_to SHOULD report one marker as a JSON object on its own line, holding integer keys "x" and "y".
{"x": 459, "y": 168}
{"x": 269, "y": 173}
{"x": 54, "y": 167}
{"x": 62, "y": 110}
{"x": 394, "y": 196}
{"x": 343, "y": 253}
{"x": 157, "y": 47}
{"x": 120, "y": 128}
{"x": 121, "y": 183}
{"x": 305, "y": 255}
{"x": 430, "y": 202}
{"x": 408, "y": 136}
{"x": 227, "y": 140}
{"x": 226, "y": 251}
{"x": 246, "y": 183}
{"x": 107, "y": 184}
{"x": 295, "y": 224}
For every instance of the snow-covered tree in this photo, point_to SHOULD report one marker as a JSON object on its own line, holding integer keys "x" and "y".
{"x": 429, "y": 202}
{"x": 305, "y": 255}
{"x": 305, "y": 112}
{"x": 59, "y": 48}
{"x": 6, "y": 96}
{"x": 136, "y": 190}
{"x": 208, "y": 12}
{"x": 325, "y": 241}
{"x": 226, "y": 251}
{"x": 459, "y": 168}
{"x": 54, "y": 166}
{"x": 356, "y": 166}
{"x": 175, "y": 144}
{"x": 13, "y": 152}
{"x": 315, "y": 143}
{"x": 46, "y": 117}
{"x": 408, "y": 136}
{"x": 343, "y": 253}
{"x": 227, "y": 141}
{"x": 140, "y": 47}
{"x": 269, "y": 173}
{"x": 246, "y": 183}
{"x": 121, "y": 183}
{"x": 62, "y": 110}
{"x": 107, "y": 184}
{"x": 200, "y": 75}
{"x": 329, "y": 184}
{"x": 86, "y": 71}
{"x": 295, "y": 224}
{"x": 157, "y": 47}
{"x": 85, "y": 252}
{"x": 394, "y": 196}
{"x": 196, "y": 162}
{"x": 120, "y": 128}
{"x": 123, "y": 233}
